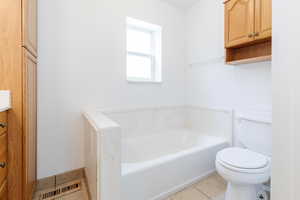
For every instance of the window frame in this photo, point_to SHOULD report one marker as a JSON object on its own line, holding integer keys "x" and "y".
{"x": 155, "y": 54}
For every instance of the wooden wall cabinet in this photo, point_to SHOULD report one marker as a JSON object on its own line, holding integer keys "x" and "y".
{"x": 18, "y": 73}
{"x": 248, "y": 30}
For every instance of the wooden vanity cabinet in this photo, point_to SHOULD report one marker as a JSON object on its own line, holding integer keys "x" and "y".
{"x": 248, "y": 30}
{"x": 3, "y": 156}
{"x": 3, "y": 122}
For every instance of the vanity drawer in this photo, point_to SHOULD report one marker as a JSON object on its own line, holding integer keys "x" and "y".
{"x": 3, "y": 191}
{"x": 3, "y": 122}
{"x": 3, "y": 157}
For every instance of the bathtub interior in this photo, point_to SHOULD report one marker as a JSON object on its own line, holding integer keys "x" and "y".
{"x": 139, "y": 150}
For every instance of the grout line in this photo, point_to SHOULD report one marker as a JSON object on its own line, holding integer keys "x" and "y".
{"x": 203, "y": 193}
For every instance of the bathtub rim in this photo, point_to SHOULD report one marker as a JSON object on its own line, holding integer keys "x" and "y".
{"x": 127, "y": 109}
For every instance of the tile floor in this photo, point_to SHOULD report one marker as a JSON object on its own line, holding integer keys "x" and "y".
{"x": 211, "y": 188}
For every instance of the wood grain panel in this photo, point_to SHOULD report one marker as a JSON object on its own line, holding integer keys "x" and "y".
{"x": 3, "y": 191}
{"x": 3, "y": 157}
{"x": 3, "y": 122}
{"x": 29, "y": 25}
{"x": 30, "y": 122}
{"x": 263, "y": 19}
{"x": 11, "y": 79}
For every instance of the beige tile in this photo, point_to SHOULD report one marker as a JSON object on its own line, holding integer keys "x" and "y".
{"x": 189, "y": 194}
{"x": 219, "y": 178}
{"x": 213, "y": 186}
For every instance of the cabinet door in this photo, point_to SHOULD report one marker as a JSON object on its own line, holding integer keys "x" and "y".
{"x": 29, "y": 9}
{"x": 30, "y": 123}
{"x": 3, "y": 122}
{"x": 239, "y": 22}
{"x": 3, "y": 157}
{"x": 263, "y": 19}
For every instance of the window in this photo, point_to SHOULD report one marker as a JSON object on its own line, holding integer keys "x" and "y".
{"x": 143, "y": 51}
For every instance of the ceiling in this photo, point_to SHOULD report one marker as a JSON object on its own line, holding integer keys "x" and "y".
{"x": 182, "y": 3}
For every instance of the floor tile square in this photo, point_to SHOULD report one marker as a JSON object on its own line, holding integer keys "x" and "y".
{"x": 189, "y": 194}
{"x": 213, "y": 186}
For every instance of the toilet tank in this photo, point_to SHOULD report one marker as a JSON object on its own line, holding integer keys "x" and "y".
{"x": 254, "y": 132}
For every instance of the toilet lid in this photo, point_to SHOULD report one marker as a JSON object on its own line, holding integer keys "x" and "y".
{"x": 243, "y": 158}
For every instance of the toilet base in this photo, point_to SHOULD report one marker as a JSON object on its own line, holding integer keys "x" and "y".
{"x": 240, "y": 192}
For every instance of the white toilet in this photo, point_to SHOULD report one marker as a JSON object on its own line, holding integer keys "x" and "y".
{"x": 249, "y": 165}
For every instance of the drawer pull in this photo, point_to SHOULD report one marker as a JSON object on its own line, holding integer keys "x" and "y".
{"x": 2, "y": 164}
{"x": 2, "y": 125}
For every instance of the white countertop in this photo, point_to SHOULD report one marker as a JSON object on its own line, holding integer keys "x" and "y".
{"x": 5, "y": 102}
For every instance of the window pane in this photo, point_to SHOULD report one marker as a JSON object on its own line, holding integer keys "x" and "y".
{"x": 138, "y": 67}
{"x": 138, "y": 41}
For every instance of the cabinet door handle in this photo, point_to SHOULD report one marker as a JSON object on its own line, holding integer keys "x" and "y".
{"x": 2, "y": 125}
{"x": 2, "y": 164}
{"x": 250, "y": 35}
{"x": 256, "y": 34}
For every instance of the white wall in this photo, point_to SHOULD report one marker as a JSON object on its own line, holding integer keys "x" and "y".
{"x": 82, "y": 59}
{"x": 286, "y": 100}
{"x": 212, "y": 83}
{"x": 82, "y": 64}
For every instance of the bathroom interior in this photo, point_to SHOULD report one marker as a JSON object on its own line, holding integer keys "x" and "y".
{"x": 149, "y": 100}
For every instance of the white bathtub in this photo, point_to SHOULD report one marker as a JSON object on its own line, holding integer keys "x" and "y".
{"x": 148, "y": 154}
{"x": 158, "y": 165}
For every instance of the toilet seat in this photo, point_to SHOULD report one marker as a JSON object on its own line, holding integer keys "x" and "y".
{"x": 243, "y": 160}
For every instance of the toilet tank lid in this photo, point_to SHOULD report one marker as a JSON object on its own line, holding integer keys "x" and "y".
{"x": 243, "y": 158}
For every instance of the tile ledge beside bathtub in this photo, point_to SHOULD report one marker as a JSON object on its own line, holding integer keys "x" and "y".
{"x": 100, "y": 122}
{"x": 5, "y": 100}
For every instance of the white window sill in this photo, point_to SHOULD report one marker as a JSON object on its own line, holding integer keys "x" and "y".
{"x": 145, "y": 81}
